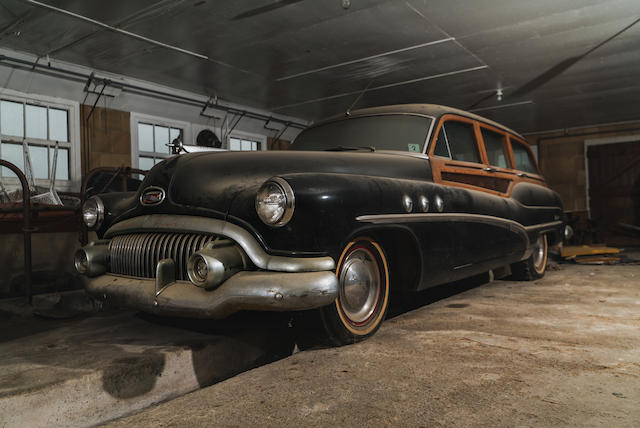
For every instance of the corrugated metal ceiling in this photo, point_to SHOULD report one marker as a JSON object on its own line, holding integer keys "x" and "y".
{"x": 311, "y": 58}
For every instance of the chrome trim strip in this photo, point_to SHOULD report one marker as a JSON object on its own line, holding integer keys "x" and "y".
{"x": 544, "y": 227}
{"x": 194, "y": 224}
{"x": 427, "y": 217}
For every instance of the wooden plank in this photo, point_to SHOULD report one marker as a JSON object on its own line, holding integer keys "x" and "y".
{"x": 572, "y": 251}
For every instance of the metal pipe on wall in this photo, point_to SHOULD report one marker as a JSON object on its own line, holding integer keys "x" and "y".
{"x": 47, "y": 69}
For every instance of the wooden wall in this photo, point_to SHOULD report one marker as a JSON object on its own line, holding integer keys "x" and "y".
{"x": 106, "y": 138}
{"x": 561, "y": 156}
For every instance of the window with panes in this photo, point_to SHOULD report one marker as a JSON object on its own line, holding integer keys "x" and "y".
{"x": 40, "y": 125}
{"x": 153, "y": 143}
{"x": 244, "y": 144}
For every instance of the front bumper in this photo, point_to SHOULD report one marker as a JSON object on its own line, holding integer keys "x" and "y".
{"x": 255, "y": 291}
{"x": 143, "y": 263}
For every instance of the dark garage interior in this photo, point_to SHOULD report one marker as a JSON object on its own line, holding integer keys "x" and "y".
{"x": 208, "y": 209}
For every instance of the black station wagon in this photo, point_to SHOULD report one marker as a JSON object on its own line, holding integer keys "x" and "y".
{"x": 380, "y": 201}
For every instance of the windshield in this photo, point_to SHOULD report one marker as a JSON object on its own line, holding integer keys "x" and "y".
{"x": 401, "y": 132}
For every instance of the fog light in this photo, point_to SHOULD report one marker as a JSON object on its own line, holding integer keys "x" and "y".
{"x": 92, "y": 260}
{"x": 200, "y": 268}
{"x": 81, "y": 261}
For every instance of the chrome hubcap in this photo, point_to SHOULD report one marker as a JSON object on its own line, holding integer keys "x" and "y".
{"x": 538, "y": 253}
{"x": 359, "y": 285}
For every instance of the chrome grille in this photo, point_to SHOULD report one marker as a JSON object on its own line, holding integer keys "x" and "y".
{"x": 138, "y": 254}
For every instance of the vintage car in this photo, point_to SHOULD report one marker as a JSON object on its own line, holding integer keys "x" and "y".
{"x": 378, "y": 202}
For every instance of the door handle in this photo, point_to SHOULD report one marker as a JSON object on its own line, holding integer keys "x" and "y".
{"x": 489, "y": 169}
{"x": 522, "y": 174}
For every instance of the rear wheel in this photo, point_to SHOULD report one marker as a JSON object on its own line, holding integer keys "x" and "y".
{"x": 362, "y": 303}
{"x": 535, "y": 266}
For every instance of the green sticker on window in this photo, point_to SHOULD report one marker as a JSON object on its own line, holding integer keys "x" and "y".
{"x": 414, "y": 147}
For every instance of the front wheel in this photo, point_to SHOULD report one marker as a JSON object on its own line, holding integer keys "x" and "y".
{"x": 362, "y": 303}
{"x": 535, "y": 266}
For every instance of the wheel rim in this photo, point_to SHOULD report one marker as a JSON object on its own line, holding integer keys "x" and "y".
{"x": 363, "y": 286}
{"x": 360, "y": 282}
{"x": 540, "y": 254}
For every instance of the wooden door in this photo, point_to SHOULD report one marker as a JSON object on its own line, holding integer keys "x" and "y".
{"x": 614, "y": 192}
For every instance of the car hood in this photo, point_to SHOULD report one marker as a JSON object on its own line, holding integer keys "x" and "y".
{"x": 212, "y": 180}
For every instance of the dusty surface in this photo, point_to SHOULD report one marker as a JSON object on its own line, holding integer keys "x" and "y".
{"x": 89, "y": 369}
{"x": 562, "y": 351}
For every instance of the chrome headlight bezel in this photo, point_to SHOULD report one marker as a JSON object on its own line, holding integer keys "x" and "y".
{"x": 93, "y": 212}
{"x": 286, "y": 206}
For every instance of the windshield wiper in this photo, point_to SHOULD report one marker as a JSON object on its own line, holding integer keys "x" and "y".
{"x": 349, "y": 148}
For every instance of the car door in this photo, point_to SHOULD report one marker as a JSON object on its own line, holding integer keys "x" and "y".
{"x": 459, "y": 159}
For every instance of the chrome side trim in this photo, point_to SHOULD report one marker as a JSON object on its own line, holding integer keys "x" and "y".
{"x": 255, "y": 291}
{"x": 478, "y": 218}
{"x": 194, "y": 224}
{"x": 426, "y": 217}
{"x": 544, "y": 227}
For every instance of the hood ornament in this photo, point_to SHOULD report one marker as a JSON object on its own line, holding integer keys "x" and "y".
{"x": 152, "y": 196}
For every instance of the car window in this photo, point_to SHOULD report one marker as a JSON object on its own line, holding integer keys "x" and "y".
{"x": 523, "y": 159}
{"x": 459, "y": 140}
{"x": 442, "y": 147}
{"x": 494, "y": 145}
{"x": 402, "y": 132}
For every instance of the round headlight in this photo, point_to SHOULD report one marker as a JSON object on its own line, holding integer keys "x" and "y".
{"x": 275, "y": 202}
{"x": 93, "y": 212}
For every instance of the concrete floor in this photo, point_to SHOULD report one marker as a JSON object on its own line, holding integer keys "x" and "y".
{"x": 561, "y": 351}
{"x": 96, "y": 367}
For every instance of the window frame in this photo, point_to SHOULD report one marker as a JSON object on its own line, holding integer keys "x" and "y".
{"x": 506, "y": 145}
{"x": 136, "y": 118}
{"x": 527, "y": 148}
{"x": 479, "y": 144}
{"x": 243, "y": 135}
{"x": 73, "y": 135}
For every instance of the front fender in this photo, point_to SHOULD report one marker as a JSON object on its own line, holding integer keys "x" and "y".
{"x": 326, "y": 207}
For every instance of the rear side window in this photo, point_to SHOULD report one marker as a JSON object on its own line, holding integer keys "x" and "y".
{"x": 494, "y": 145}
{"x": 523, "y": 159}
{"x": 456, "y": 141}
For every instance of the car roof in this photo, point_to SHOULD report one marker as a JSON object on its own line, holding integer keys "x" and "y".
{"x": 434, "y": 110}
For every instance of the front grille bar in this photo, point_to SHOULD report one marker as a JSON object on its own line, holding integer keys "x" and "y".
{"x": 138, "y": 254}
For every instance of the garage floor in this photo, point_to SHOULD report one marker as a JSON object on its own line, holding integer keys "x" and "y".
{"x": 561, "y": 351}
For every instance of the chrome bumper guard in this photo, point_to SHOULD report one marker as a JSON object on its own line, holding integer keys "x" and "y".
{"x": 253, "y": 291}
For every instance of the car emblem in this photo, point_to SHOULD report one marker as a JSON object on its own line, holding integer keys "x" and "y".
{"x": 152, "y": 196}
